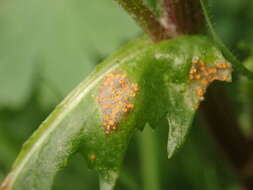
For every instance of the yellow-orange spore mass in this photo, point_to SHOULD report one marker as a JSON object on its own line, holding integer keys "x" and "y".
{"x": 115, "y": 98}
{"x": 92, "y": 156}
{"x": 202, "y": 74}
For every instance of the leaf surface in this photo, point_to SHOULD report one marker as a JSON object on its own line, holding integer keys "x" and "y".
{"x": 142, "y": 83}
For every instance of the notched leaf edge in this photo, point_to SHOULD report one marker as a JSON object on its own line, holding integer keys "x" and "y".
{"x": 186, "y": 98}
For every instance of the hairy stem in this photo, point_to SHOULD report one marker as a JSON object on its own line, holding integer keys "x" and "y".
{"x": 179, "y": 17}
{"x": 146, "y": 19}
{"x": 184, "y": 16}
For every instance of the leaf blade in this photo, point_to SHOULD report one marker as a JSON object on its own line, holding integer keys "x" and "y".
{"x": 161, "y": 71}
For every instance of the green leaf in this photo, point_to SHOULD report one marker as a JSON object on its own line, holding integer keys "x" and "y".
{"x": 142, "y": 83}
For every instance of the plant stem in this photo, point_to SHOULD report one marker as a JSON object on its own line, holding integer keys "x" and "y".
{"x": 149, "y": 160}
{"x": 236, "y": 64}
{"x": 179, "y": 17}
{"x": 185, "y": 16}
{"x": 146, "y": 19}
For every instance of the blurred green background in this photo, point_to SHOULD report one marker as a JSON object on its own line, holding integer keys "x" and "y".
{"x": 47, "y": 47}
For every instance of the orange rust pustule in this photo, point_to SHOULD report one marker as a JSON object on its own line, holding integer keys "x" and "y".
{"x": 115, "y": 98}
{"x": 92, "y": 156}
{"x": 203, "y": 74}
{"x": 6, "y": 183}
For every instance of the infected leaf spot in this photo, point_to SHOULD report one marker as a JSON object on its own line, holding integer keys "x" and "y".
{"x": 202, "y": 74}
{"x": 92, "y": 156}
{"x": 6, "y": 183}
{"x": 115, "y": 98}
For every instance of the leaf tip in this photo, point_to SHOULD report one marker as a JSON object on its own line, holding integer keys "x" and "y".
{"x": 108, "y": 182}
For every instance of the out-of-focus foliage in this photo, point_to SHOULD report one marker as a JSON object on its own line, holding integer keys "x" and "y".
{"x": 63, "y": 38}
{"x": 245, "y": 97}
{"x": 233, "y": 20}
{"x": 47, "y": 47}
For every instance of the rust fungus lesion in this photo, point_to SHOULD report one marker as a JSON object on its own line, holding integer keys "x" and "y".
{"x": 92, "y": 156}
{"x": 202, "y": 74}
{"x": 115, "y": 97}
{"x": 6, "y": 183}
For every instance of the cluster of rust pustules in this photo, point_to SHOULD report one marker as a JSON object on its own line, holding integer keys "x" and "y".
{"x": 115, "y": 97}
{"x": 204, "y": 74}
